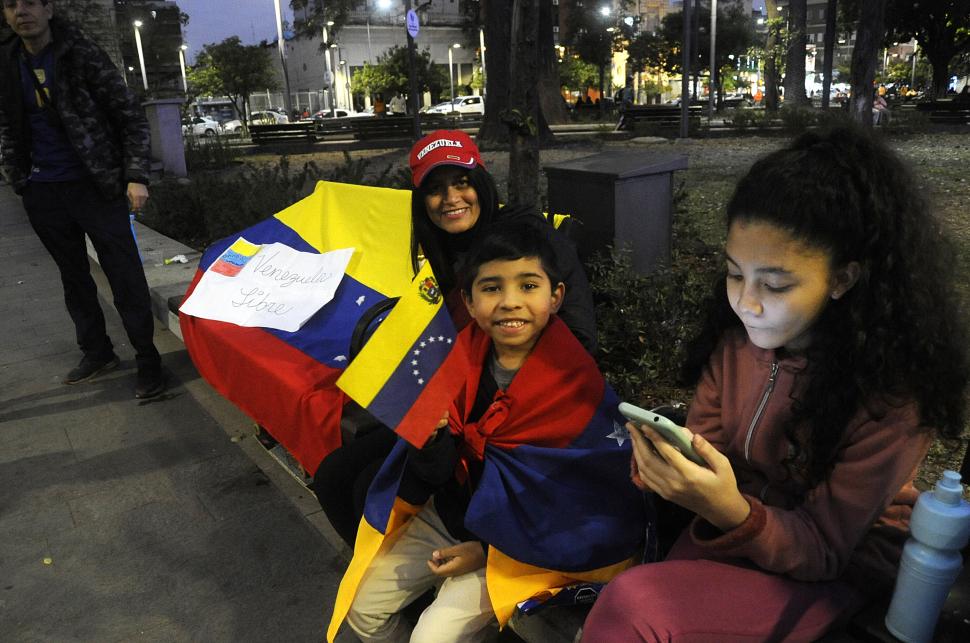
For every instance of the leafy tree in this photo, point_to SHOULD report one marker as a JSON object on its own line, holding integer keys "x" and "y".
{"x": 734, "y": 36}
{"x": 942, "y": 28}
{"x": 576, "y": 73}
{"x": 870, "y": 34}
{"x": 773, "y": 53}
{"x": 390, "y": 73}
{"x": 235, "y": 70}
{"x": 795, "y": 53}
{"x": 522, "y": 117}
{"x": 371, "y": 79}
{"x": 595, "y": 37}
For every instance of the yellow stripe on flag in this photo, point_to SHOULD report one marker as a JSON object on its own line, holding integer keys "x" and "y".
{"x": 510, "y": 582}
{"x": 363, "y": 379}
{"x": 245, "y": 248}
{"x": 376, "y": 222}
{"x": 369, "y": 542}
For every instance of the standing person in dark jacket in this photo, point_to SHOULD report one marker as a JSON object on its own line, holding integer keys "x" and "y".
{"x": 75, "y": 145}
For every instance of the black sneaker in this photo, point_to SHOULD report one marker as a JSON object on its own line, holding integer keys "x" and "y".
{"x": 149, "y": 382}
{"x": 90, "y": 368}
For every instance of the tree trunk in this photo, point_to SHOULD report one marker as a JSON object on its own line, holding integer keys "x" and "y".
{"x": 941, "y": 76}
{"x": 831, "y": 8}
{"x": 771, "y": 64}
{"x": 523, "y": 119}
{"x": 550, "y": 97}
{"x": 498, "y": 34}
{"x": 795, "y": 54}
{"x": 869, "y": 36}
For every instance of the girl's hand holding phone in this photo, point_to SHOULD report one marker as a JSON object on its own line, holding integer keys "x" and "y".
{"x": 711, "y": 492}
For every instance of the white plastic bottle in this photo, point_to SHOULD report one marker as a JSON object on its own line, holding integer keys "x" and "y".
{"x": 931, "y": 560}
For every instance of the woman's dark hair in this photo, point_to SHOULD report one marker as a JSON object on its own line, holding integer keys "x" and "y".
{"x": 508, "y": 242}
{"x": 440, "y": 247}
{"x": 897, "y": 334}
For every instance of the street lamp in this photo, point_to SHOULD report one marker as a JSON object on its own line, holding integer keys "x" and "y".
{"x": 141, "y": 53}
{"x": 604, "y": 11}
{"x": 481, "y": 45}
{"x": 710, "y": 88}
{"x": 185, "y": 82}
{"x": 451, "y": 73}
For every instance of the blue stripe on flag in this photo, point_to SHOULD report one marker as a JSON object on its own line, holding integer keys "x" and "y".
{"x": 326, "y": 335}
{"x": 383, "y": 490}
{"x": 267, "y": 231}
{"x": 420, "y": 363}
{"x": 547, "y": 507}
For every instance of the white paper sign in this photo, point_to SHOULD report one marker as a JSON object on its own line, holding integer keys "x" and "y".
{"x": 273, "y": 285}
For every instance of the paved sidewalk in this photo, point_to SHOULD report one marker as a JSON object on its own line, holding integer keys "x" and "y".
{"x": 120, "y": 520}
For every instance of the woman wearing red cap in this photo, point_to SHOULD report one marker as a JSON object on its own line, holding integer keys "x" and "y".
{"x": 454, "y": 200}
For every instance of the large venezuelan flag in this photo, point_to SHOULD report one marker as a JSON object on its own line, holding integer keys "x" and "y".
{"x": 398, "y": 375}
{"x": 286, "y": 381}
{"x": 554, "y": 502}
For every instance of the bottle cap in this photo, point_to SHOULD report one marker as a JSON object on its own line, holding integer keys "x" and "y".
{"x": 949, "y": 490}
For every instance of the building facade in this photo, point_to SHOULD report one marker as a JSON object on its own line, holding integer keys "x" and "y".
{"x": 371, "y": 31}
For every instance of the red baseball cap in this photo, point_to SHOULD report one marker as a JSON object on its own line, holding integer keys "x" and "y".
{"x": 442, "y": 147}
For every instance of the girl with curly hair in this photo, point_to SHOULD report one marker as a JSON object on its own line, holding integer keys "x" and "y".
{"x": 832, "y": 353}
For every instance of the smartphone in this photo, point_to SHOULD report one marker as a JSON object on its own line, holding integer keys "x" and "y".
{"x": 673, "y": 434}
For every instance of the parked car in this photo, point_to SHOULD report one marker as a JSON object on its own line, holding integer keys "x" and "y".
{"x": 267, "y": 118}
{"x": 200, "y": 126}
{"x": 461, "y": 104}
{"x": 341, "y": 113}
{"x": 232, "y": 127}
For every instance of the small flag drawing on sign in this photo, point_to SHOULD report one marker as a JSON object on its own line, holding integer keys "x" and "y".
{"x": 234, "y": 258}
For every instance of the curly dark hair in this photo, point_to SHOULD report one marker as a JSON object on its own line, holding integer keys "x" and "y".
{"x": 440, "y": 247}
{"x": 898, "y": 334}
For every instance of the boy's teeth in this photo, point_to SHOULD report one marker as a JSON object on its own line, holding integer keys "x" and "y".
{"x": 512, "y": 324}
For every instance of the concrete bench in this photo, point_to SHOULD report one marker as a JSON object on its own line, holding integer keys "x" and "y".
{"x": 948, "y": 112}
{"x": 282, "y": 132}
{"x": 388, "y": 127}
{"x": 659, "y": 115}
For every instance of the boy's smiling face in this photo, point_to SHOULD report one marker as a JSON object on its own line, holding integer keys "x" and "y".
{"x": 511, "y": 300}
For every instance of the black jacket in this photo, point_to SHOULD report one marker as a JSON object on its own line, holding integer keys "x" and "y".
{"x": 103, "y": 120}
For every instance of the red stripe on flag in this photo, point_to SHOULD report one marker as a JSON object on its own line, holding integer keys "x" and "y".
{"x": 281, "y": 388}
{"x": 438, "y": 394}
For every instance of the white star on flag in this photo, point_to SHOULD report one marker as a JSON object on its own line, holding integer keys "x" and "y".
{"x": 620, "y": 434}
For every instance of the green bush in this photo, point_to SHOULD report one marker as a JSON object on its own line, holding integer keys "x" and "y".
{"x": 797, "y": 119}
{"x": 644, "y": 322}
{"x": 213, "y": 205}
{"x": 742, "y": 118}
{"x": 211, "y": 153}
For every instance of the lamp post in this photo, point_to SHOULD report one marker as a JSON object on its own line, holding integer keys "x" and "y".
{"x": 710, "y": 86}
{"x": 329, "y": 75}
{"x": 481, "y": 45}
{"x": 141, "y": 53}
{"x": 451, "y": 72}
{"x": 185, "y": 82}
{"x": 286, "y": 77}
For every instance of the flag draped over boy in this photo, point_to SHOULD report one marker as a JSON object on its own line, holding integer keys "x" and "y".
{"x": 286, "y": 381}
{"x": 554, "y": 501}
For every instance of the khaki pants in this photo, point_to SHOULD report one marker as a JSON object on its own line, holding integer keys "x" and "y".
{"x": 461, "y": 610}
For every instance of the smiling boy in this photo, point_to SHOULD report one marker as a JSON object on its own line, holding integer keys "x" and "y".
{"x": 533, "y": 406}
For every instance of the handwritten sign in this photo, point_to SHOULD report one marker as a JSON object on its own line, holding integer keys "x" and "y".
{"x": 272, "y": 286}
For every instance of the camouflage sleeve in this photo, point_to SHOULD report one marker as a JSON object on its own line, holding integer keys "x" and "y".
{"x": 8, "y": 165}
{"x": 124, "y": 110}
